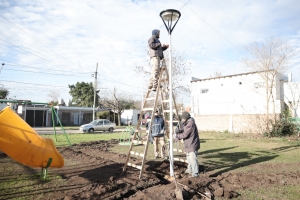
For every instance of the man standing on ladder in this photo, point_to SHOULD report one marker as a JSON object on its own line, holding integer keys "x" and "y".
{"x": 156, "y": 54}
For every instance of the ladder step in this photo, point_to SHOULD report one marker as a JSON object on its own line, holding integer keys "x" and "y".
{"x": 134, "y": 165}
{"x": 180, "y": 160}
{"x": 151, "y": 98}
{"x": 164, "y": 79}
{"x": 139, "y": 141}
{"x": 146, "y": 109}
{"x": 165, "y": 101}
{"x": 136, "y": 153}
{"x": 174, "y": 121}
{"x": 166, "y": 110}
{"x": 179, "y": 150}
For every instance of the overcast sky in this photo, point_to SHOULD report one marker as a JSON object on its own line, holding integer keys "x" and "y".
{"x": 47, "y": 45}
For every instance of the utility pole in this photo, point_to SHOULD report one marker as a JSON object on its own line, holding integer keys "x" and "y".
{"x": 114, "y": 104}
{"x": 95, "y": 92}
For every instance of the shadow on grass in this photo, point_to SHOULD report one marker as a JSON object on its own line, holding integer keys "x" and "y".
{"x": 228, "y": 167}
{"x": 286, "y": 148}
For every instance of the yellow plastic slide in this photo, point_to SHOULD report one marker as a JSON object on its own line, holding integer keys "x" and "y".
{"x": 20, "y": 142}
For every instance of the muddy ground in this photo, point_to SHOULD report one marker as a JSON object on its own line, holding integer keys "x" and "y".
{"x": 93, "y": 172}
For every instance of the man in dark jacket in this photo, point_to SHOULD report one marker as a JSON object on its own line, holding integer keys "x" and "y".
{"x": 189, "y": 134}
{"x": 157, "y": 133}
{"x": 156, "y": 54}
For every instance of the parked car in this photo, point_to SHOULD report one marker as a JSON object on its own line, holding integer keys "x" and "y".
{"x": 98, "y": 125}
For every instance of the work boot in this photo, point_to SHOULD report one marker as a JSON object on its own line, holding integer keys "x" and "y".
{"x": 150, "y": 87}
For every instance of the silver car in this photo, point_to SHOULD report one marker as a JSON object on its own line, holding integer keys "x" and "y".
{"x": 98, "y": 125}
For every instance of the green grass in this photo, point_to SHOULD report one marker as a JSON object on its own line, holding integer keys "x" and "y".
{"x": 86, "y": 137}
{"x": 272, "y": 193}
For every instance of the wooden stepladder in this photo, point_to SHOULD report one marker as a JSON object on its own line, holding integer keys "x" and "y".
{"x": 150, "y": 104}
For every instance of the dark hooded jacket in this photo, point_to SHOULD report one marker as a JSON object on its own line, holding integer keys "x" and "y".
{"x": 189, "y": 134}
{"x": 155, "y": 48}
{"x": 157, "y": 126}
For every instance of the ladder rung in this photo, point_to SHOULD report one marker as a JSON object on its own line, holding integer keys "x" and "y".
{"x": 145, "y": 109}
{"x": 166, "y": 110}
{"x": 136, "y": 153}
{"x": 150, "y": 98}
{"x": 134, "y": 165}
{"x": 166, "y": 101}
{"x": 174, "y": 121}
{"x": 178, "y": 150}
{"x": 164, "y": 79}
{"x": 180, "y": 160}
{"x": 139, "y": 141}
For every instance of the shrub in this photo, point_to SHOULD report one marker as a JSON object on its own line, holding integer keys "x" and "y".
{"x": 282, "y": 128}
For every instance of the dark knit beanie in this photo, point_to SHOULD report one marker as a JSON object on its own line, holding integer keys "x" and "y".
{"x": 185, "y": 115}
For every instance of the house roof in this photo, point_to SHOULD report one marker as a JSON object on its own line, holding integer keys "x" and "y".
{"x": 228, "y": 76}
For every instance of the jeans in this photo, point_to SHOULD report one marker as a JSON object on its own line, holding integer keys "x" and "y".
{"x": 155, "y": 63}
{"x": 193, "y": 166}
{"x": 161, "y": 140}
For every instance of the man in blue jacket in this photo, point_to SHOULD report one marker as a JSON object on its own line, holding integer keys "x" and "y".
{"x": 156, "y": 54}
{"x": 157, "y": 133}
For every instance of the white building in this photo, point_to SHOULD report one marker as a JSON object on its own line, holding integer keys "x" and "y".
{"x": 292, "y": 96}
{"x": 130, "y": 116}
{"x": 235, "y": 103}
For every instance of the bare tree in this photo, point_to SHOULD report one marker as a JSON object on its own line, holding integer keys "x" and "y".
{"x": 53, "y": 97}
{"x": 292, "y": 97}
{"x": 216, "y": 75}
{"x": 180, "y": 69}
{"x": 271, "y": 57}
{"x": 119, "y": 103}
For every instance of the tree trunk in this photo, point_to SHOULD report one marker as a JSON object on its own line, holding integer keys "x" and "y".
{"x": 267, "y": 105}
{"x": 119, "y": 119}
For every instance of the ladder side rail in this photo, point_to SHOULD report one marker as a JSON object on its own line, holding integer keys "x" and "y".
{"x": 135, "y": 133}
{"x": 150, "y": 125}
{"x": 142, "y": 111}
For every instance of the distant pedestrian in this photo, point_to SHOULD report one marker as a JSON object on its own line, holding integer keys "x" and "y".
{"x": 156, "y": 55}
{"x": 189, "y": 134}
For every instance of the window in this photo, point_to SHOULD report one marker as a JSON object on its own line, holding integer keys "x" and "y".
{"x": 106, "y": 122}
{"x": 202, "y": 91}
{"x": 259, "y": 85}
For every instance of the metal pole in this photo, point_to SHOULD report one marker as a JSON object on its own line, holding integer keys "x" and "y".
{"x": 171, "y": 107}
{"x": 95, "y": 92}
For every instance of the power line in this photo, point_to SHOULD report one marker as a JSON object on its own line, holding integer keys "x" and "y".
{"x": 34, "y": 84}
{"x": 29, "y": 35}
{"x": 43, "y": 72}
{"x": 16, "y": 64}
{"x": 33, "y": 54}
{"x": 58, "y": 31}
{"x": 214, "y": 29}
{"x": 22, "y": 44}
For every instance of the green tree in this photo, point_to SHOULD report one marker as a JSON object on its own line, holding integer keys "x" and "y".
{"x": 83, "y": 94}
{"x": 3, "y": 93}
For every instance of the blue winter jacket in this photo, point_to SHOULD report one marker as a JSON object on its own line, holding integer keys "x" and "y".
{"x": 157, "y": 126}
